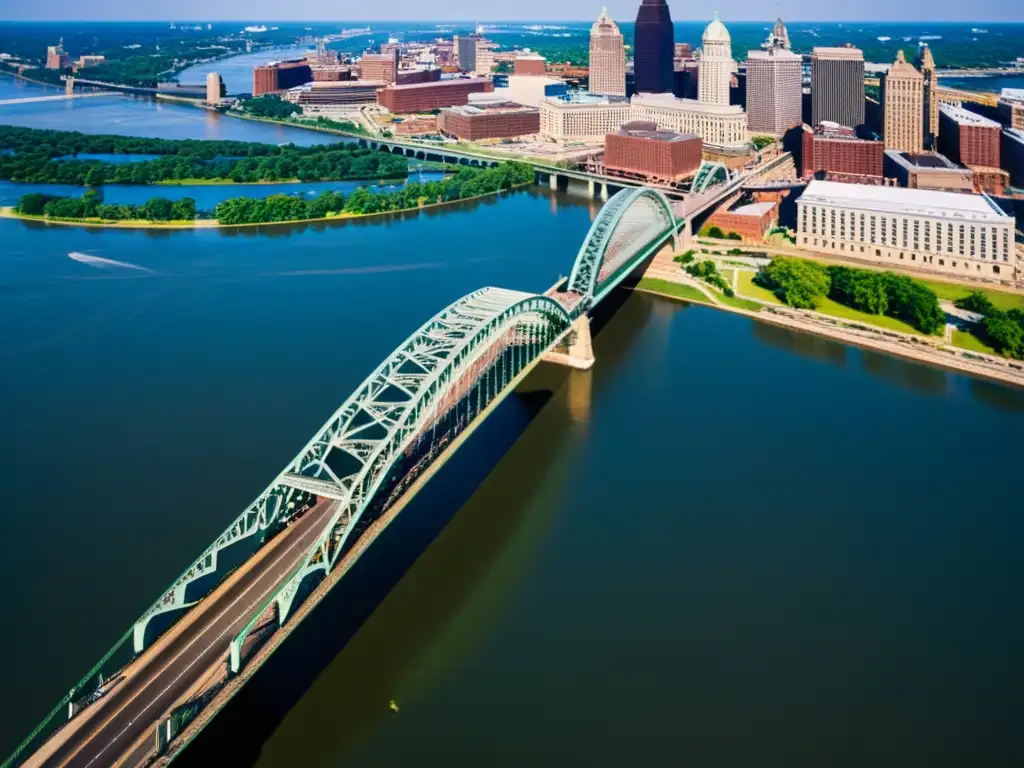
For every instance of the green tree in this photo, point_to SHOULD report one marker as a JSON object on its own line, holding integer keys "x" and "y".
{"x": 796, "y": 282}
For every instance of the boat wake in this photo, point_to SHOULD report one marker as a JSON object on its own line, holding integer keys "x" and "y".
{"x": 100, "y": 263}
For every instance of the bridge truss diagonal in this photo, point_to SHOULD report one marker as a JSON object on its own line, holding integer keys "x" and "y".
{"x": 627, "y": 225}
{"x": 492, "y": 333}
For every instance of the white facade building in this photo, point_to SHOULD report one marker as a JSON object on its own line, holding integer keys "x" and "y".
{"x": 719, "y": 126}
{"x": 586, "y": 120}
{"x": 528, "y": 90}
{"x": 716, "y": 65}
{"x": 960, "y": 234}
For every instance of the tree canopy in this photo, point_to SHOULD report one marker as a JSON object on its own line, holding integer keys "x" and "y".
{"x": 1003, "y": 330}
{"x": 468, "y": 182}
{"x": 800, "y": 283}
{"x": 51, "y": 157}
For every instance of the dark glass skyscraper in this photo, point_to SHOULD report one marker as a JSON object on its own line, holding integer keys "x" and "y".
{"x": 653, "y": 47}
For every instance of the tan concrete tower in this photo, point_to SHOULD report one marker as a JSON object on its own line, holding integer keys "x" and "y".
{"x": 607, "y": 57}
{"x": 903, "y": 106}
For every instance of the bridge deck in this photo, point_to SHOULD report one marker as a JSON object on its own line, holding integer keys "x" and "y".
{"x": 161, "y": 675}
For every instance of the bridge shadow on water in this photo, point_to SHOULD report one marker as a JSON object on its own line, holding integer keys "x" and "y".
{"x": 340, "y": 667}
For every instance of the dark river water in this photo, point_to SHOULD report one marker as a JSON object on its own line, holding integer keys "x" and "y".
{"x": 727, "y": 544}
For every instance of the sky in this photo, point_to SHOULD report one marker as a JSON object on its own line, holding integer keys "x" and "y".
{"x": 533, "y": 10}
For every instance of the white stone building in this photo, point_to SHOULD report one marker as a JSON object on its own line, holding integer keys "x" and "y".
{"x": 586, "y": 120}
{"x": 719, "y": 126}
{"x": 966, "y": 235}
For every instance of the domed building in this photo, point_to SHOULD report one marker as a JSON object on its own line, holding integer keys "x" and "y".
{"x": 716, "y": 64}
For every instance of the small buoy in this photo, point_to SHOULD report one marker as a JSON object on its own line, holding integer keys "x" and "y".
{"x": 393, "y": 706}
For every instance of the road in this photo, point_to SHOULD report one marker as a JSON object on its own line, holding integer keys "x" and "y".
{"x": 155, "y": 683}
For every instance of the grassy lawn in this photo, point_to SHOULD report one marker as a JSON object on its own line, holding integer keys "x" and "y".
{"x": 952, "y": 292}
{"x": 685, "y": 292}
{"x": 726, "y": 275}
{"x": 747, "y": 288}
{"x": 967, "y": 340}
{"x": 835, "y": 309}
{"x": 740, "y": 303}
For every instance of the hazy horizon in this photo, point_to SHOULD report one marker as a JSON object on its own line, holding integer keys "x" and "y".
{"x": 320, "y": 11}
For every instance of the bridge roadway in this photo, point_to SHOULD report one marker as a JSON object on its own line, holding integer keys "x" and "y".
{"x": 184, "y": 656}
{"x": 61, "y": 97}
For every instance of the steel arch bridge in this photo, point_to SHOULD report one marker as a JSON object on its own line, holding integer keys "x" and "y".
{"x": 431, "y": 390}
{"x": 631, "y": 222}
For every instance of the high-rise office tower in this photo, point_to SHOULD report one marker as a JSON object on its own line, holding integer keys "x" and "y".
{"x": 902, "y": 90}
{"x": 926, "y": 65}
{"x": 837, "y": 86}
{"x": 607, "y": 57}
{"x": 774, "y": 91}
{"x": 653, "y": 48}
{"x": 465, "y": 52}
{"x": 716, "y": 64}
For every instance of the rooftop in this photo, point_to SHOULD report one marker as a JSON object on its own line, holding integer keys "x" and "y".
{"x": 667, "y": 136}
{"x": 586, "y": 99}
{"x": 668, "y": 101}
{"x": 1012, "y": 94}
{"x": 932, "y": 160}
{"x": 903, "y": 68}
{"x": 753, "y": 209}
{"x": 491, "y": 107}
{"x": 907, "y": 201}
{"x": 1017, "y": 134}
{"x": 774, "y": 54}
{"x": 436, "y": 83}
{"x": 825, "y": 52}
{"x": 966, "y": 117}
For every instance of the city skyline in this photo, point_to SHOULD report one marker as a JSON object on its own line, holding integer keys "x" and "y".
{"x": 916, "y": 11}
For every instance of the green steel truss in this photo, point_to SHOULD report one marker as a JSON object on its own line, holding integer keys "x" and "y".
{"x": 627, "y": 224}
{"x": 408, "y": 393}
{"x": 709, "y": 174}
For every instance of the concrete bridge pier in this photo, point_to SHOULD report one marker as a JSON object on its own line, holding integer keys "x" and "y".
{"x": 553, "y": 182}
{"x": 577, "y": 350}
{"x": 69, "y": 86}
{"x": 604, "y": 191}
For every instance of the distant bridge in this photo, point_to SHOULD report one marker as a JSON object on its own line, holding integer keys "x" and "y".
{"x": 61, "y": 97}
{"x": 209, "y": 632}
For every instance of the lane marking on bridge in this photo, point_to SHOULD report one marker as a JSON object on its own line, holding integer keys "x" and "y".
{"x": 299, "y": 541}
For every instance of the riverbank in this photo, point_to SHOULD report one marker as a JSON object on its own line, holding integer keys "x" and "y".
{"x": 8, "y": 212}
{"x": 915, "y": 347}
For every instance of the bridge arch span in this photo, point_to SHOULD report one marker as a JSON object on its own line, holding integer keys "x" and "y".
{"x": 629, "y": 222}
{"x": 363, "y": 456}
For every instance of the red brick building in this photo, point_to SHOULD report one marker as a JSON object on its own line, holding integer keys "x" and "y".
{"x": 968, "y": 138}
{"x": 379, "y": 67}
{"x": 280, "y": 76}
{"x": 494, "y": 120}
{"x": 751, "y": 220}
{"x": 420, "y": 75}
{"x": 423, "y": 97}
{"x": 639, "y": 149}
{"x": 530, "y": 64}
{"x": 836, "y": 150}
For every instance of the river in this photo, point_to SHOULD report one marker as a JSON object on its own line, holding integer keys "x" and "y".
{"x": 726, "y": 542}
